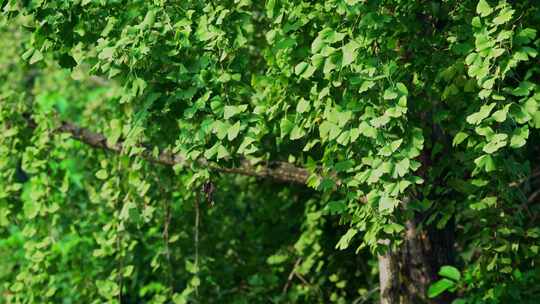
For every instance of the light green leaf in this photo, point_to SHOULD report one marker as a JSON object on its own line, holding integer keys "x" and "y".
{"x": 102, "y": 174}
{"x": 233, "y": 131}
{"x": 302, "y": 106}
{"x": 222, "y": 152}
{"x": 504, "y": 16}
{"x": 497, "y": 141}
{"x": 230, "y": 111}
{"x": 390, "y": 94}
{"x": 31, "y": 208}
{"x": 36, "y": 57}
{"x": 221, "y": 128}
{"x": 459, "y": 138}
{"x": 277, "y": 259}
{"x": 346, "y": 239}
{"x": 485, "y": 162}
{"x": 297, "y": 132}
{"x": 500, "y": 115}
{"x": 483, "y": 8}
{"x": 402, "y": 88}
{"x": 367, "y": 130}
{"x": 519, "y": 137}
{"x": 300, "y": 68}
{"x": 402, "y": 167}
{"x": 387, "y": 203}
{"x": 107, "y": 53}
{"x": 483, "y": 113}
{"x": 328, "y": 130}
{"x": 286, "y": 126}
{"x": 349, "y": 52}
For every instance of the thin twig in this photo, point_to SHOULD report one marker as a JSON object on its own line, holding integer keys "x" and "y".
{"x": 533, "y": 196}
{"x": 299, "y": 276}
{"x": 535, "y": 174}
{"x": 365, "y": 298}
{"x": 291, "y": 275}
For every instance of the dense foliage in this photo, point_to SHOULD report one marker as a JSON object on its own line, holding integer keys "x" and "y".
{"x": 411, "y": 118}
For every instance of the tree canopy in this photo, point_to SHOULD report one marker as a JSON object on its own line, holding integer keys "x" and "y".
{"x": 339, "y": 151}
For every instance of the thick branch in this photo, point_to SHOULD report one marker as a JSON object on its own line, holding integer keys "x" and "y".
{"x": 280, "y": 171}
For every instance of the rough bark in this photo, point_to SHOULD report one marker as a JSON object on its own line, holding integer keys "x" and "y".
{"x": 389, "y": 276}
{"x": 406, "y": 274}
{"x": 414, "y": 265}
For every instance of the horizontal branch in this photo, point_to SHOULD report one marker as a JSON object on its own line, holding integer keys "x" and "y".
{"x": 280, "y": 171}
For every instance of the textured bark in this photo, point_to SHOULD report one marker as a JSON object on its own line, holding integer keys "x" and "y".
{"x": 406, "y": 274}
{"x": 389, "y": 276}
{"x": 414, "y": 265}
{"x": 424, "y": 253}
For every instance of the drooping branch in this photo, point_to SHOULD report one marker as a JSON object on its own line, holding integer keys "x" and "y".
{"x": 280, "y": 171}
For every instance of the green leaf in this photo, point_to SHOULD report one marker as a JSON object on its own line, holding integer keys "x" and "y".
{"x": 36, "y": 57}
{"x": 349, "y": 52}
{"x": 31, "y": 208}
{"x": 476, "y": 118}
{"x": 367, "y": 130}
{"x": 523, "y": 89}
{"x": 300, "y": 68}
{"x": 230, "y": 111}
{"x": 450, "y": 272}
{"x": 459, "y": 138}
{"x": 483, "y": 8}
{"x": 519, "y": 137}
{"x": 504, "y": 16}
{"x": 286, "y": 126}
{"x": 222, "y": 152}
{"x": 303, "y": 106}
{"x": 497, "y": 141}
{"x": 233, "y": 131}
{"x": 519, "y": 114}
{"x": 336, "y": 207}
{"x": 402, "y": 167}
{"x": 387, "y": 203}
{"x": 390, "y": 94}
{"x": 439, "y": 287}
{"x": 297, "y": 132}
{"x": 402, "y": 88}
{"x": 107, "y": 53}
{"x": 221, "y": 129}
{"x": 343, "y": 165}
{"x": 102, "y": 174}
{"x": 485, "y": 162}
{"x": 500, "y": 115}
{"x": 344, "y": 241}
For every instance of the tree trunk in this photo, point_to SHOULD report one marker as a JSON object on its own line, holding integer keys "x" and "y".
{"x": 424, "y": 250}
{"x": 389, "y": 276}
{"x": 405, "y": 275}
{"x": 415, "y": 269}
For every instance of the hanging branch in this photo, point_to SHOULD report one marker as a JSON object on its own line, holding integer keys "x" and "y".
{"x": 280, "y": 171}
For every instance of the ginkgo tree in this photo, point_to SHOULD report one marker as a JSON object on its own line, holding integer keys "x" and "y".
{"x": 270, "y": 151}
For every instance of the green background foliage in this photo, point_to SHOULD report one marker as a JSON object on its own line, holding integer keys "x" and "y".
{"x": 396, "y": 108}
